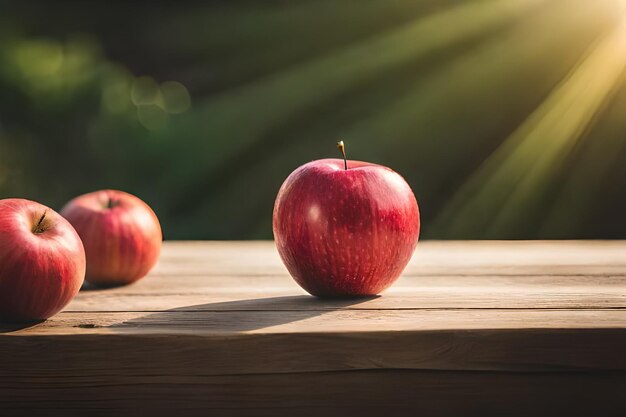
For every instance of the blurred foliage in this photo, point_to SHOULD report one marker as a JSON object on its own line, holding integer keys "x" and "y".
{"x": 507, "y": 117}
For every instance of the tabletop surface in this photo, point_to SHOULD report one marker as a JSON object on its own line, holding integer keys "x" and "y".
{"x": 230, "y": 308}
{"x": 242, "y": 288}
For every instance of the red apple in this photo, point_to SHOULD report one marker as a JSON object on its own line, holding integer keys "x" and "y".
{"x": 42, "y": 261}
{"x": 121, "y": 234}
{"x": 345, "y": 228}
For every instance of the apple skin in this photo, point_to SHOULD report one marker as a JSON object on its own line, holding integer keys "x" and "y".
{"x": 42, "y": 264}
{"x": 121, "y": 234}
{"x": 345, "y": 233}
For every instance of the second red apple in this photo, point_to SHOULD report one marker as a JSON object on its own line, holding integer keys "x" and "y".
{"x": 121, "y": 234}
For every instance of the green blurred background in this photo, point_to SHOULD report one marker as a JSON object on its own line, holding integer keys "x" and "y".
{"x": 507, "y": 117}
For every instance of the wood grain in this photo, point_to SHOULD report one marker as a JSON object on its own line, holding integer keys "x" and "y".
{"x": 588, "y": 258}
{"x": 198, "y": 321}
{"x": 366, "y": 393}
{"x": 500, "y": 328}
{"x": 450, "y": 293}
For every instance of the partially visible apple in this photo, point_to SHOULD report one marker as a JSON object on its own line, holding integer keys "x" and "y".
{"x": 345, "y": 228}
{"x": 42, "y": 261}
{"x": 121, "y": 234}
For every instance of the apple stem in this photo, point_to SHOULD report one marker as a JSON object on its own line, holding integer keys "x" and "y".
{"x": 38, "y": 228}
{"x": 110, "y": 203}
{"x": 342, "y": 148}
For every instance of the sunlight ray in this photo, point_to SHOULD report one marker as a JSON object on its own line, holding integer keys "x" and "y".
{"x": 510, "y": 183}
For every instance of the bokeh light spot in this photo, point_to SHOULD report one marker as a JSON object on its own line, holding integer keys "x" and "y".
{"x": 145, "y": 91}
{"x": 39, "y": 58}
{"x": 176, "y": 98}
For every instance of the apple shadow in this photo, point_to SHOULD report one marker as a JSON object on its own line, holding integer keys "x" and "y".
{"x": 14, "y": 326}
{"x": 242, "y": 315}
{"x": 87, "y": 287}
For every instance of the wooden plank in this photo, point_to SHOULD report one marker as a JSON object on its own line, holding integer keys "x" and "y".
{"x": 431, "y": 258}
{"x": 208, "y": 283}
{"x": 90, "y": 355}
{"x": 446, "y": 295}
{"x": 195, "y": 320}
{"x": 363, "y": 393}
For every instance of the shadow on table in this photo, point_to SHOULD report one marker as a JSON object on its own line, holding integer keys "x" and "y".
{"x": 241, "y": 315}
{"x": 89, "y": 287}
{"x": 10, "y": 327}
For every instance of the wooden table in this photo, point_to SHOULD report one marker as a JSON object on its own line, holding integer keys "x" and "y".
{"x": 220, "y": 329}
